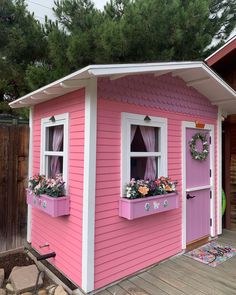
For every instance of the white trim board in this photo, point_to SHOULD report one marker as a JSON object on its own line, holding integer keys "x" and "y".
{"x": 219, "y": 168}
{"x": 186, "y": 125}
{"x": 129, "y": 119}
{"x": 62, "y": 119}
{"x": 88, "y": 238}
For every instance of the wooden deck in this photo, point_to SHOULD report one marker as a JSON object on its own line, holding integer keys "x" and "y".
{"x": 182, "y": 275}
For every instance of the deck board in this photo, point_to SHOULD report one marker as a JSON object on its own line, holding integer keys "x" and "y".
{"x": 182, "y": 275}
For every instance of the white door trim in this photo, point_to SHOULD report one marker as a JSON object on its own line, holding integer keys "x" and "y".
{"x": 219, "y": 168}
{"x": 186, "y": 125}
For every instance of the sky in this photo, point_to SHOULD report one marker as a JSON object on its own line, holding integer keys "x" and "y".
{"x": 44, "y": 7}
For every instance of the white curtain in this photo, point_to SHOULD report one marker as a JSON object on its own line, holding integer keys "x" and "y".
{"x": 56, "y": 146}
{"x": 133, "y": 130}
{"x": 148, "y": 134}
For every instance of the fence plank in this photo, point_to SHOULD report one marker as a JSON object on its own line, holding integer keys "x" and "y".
{"x": 13, "y": 178}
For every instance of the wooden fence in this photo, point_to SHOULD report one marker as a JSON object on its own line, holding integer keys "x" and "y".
{"x": 14, "y": 141}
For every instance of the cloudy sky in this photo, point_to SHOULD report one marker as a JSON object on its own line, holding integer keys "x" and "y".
{"x": 44, "y": 7}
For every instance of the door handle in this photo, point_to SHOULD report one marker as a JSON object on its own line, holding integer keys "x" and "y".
{"x": 190, "y": 197}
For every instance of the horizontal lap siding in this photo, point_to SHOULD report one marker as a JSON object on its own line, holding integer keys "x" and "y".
{"x": 123, "y": 247}
{"x": 63, "y": 234}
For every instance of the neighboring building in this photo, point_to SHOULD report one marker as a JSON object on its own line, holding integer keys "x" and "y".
{"x": 111, "y": 121}
{"x": 223, "y": 61}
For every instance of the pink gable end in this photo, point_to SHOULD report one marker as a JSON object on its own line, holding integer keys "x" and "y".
{"x": 63, "y": 234}
{"x": 123, "y": 247}
{"x": 165, "y": 92}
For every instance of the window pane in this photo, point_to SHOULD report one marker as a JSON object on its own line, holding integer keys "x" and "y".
{"x": 54, "y": 138}
{"x": 144, "y": 139}
{"x": 144, "y": 167}
{"x": 54, "y": 166}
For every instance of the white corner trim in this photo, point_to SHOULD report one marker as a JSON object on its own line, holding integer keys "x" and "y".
{"x": 30, "y": 172}
{"x": 88, "y": 238}
{"x": 219, "y": 169}
{"x": 213, "y": 214}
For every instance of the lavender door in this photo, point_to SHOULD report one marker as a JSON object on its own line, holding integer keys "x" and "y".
{"x": 198, "y": 187}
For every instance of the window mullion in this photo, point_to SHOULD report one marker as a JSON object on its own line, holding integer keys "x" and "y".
{"x": 145, "y": 154}
{"x": 53, "y": 153}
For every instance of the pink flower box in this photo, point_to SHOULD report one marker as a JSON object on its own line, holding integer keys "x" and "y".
{"x": 52, "y": 206}
{"x": 135, "y": 208}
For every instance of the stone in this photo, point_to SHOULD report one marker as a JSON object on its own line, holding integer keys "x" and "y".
{"x": 2, "y": 292}
{"x": 2, "y": 276}
{"x": 24, "y": 278}
{"x": 51, "y": 289}
{"x": 10, "y": 288}
{"x": 27, "y": 293}
{"x": 42, "y": 292}
{"x": 60, "y": 291}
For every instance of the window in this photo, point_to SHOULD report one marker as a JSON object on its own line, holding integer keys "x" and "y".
{"x": 54, "y": 146}
{"x": 144, "y": 147}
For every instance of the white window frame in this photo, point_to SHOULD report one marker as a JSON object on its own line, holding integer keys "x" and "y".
{"x": 129, "y": 119}
{"x": 62, "y": 119}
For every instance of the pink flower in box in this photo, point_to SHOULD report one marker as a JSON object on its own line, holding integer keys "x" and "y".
{"x": 48, "y": 195}
{"x": 147, "y": 197}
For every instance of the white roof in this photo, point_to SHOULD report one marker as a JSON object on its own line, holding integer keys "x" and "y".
{"x": 196, "y": 74}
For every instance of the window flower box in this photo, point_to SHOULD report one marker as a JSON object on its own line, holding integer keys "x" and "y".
{"x": 52, "y": 206}
{"x": 135, "y": 208}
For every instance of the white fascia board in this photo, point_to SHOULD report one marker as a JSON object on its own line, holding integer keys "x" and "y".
{"x": 129, "y": 69}
{"x": 87, "y": 73}
{"x": 107, "y": 70}
{"x": 218, "y": 79}
{"x": 82, "y": 75}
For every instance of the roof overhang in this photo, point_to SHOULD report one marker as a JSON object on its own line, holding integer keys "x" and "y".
{"x": 221, "y": 52}
{"x": 196, "y": 74}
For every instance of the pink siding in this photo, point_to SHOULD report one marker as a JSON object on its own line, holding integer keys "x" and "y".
{"x": 123, "y": 247}
{"x": 63, "y": 234}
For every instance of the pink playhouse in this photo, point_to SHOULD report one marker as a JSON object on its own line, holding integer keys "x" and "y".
{"x": 106, "y": 124}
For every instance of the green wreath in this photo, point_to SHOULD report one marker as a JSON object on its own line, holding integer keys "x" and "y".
{"x": 196, "y": 155}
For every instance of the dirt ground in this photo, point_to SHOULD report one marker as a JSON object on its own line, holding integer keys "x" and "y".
{"x": 19, "y": 259}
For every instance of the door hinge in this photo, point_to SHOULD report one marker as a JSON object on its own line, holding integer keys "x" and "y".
{"x": 210, "y": 172}
{"x": 210, "y": 139}
{"x": 210, "y": 221}
{"x": 210, "y": 194}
